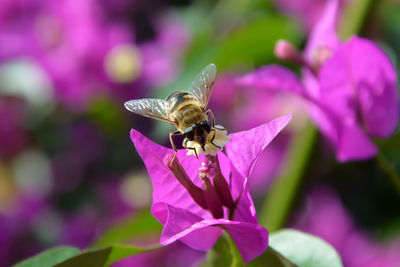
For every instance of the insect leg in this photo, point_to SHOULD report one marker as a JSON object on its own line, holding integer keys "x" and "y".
{"x": 184, "y": 144}
{"x": 173, "y": 145}
{"x": 209, "y": 111}
{"x": 212, "y": 139}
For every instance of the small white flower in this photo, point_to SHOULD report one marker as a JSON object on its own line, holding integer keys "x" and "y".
{"x": 221, "y": 139}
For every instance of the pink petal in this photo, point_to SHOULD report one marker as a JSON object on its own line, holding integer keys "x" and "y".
{"x": 324, "y": 33}
{"x": 337, "y": 90}
{"x": 245, "y": 147}
{"x": 354, "y": 144}
{"x": 349, "y": 140}
{"x": 375, "y": 79}
{"x": 166, "y": 187}
{"x": 328, "y": 126}
{"x": 356, "y": 87}
{"x": 357, "y": 91}
{"x": 251, "y": 239}
{"x": 186, "y": 226}
{"x": 245, "y": 210}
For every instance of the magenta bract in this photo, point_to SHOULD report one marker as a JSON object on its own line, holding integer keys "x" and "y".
{"x": 183, "y": 218}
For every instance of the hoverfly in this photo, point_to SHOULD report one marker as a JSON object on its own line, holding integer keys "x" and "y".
{"x": 186, "y": 110}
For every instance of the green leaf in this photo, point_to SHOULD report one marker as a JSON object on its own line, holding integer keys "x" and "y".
{"x": 281, "y": 195}
{"x": 91, "y": 258}
{"x": 353, "y": 18}
{"x": 70, "y": 256}
{"x": 224, "y": 253}
{"x": 255, "y": 41}
{"x": 139, "y": 225}
{"x": 259, "y": 33}
{"x": 107, "y": 251}
{"x": 50, "y": 257}
{"x": 108, "y": 115}
{"x": 271, "y": 257}
{"x": 103, "y": 256}
{"x": 305, "y": 250}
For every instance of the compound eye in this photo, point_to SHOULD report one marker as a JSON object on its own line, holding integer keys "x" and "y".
{"x": 190, "y": 135}
{"x": 207, "y": 127}
{"x": 199, "y": 130}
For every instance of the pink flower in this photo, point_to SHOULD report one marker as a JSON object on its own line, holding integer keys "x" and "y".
{"x": 162, "y": 56}
{"x": 351, "y": 96}
{"x": 196, "y": 211}
{"x": 13, "y": 113}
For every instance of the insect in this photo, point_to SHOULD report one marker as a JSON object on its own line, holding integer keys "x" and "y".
{"x": 186, "y": 110}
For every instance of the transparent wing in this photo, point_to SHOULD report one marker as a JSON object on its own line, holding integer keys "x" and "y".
{"x": 150, "y": 107}
{"x": 202, "y": 85}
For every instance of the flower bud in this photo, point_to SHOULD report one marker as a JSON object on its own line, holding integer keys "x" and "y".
{"x": 285, "y": 50}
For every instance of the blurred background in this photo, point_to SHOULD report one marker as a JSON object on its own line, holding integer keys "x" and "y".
{"x": 68, "y": 170}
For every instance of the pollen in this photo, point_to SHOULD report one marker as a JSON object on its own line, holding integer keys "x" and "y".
{"x": 207, "y": 169}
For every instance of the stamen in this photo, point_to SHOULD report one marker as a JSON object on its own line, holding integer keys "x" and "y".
{"x": 213, "y": 201}
{"x": 321, "y": 55}
{"x": 180, "y": 174}
{"x": 220, "y": 182}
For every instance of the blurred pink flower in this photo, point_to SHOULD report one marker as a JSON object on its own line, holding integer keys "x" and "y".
{"x": 10, "y": 9}
{"x": 13, "y": 136}
{"x": 325, "y": 216}
{"x": 112, "y": 204}
{"x": 79, "y": 229}
{"x": 85, "y": 145}
{"x": 17, "y": 226}
{"x": 351, "y": 97}
{"x": 162, "y": 56}
{"x": 84, "y": 54}
{"x": 73, "y": 40}
{"x": 181, "y": 206}
{"x": 69, "y": 41}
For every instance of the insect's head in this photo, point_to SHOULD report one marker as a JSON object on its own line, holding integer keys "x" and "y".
{"x": 198, "y": 133}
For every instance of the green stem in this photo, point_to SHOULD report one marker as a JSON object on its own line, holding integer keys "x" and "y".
{"x": 353, "y": 18}
{"x": 237, "y": 260}
{"x": 389, "y": 170}
{"x": 281, "y": 195}
{"x": 224, "y": 253}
